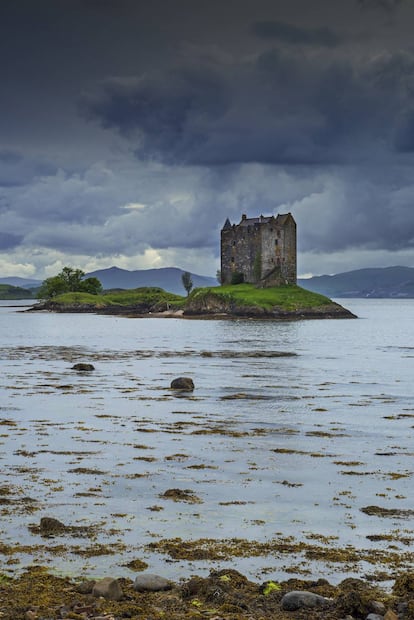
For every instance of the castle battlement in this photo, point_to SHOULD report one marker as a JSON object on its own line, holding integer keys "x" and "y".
{"x": 262, "y": 249}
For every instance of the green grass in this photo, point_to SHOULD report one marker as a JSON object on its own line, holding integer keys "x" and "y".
{"x": 287, "y": 297}
{"x": 145, "y": 295}
{"x": 284, "y": 297}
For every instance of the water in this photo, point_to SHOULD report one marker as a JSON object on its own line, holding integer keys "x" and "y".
{"x": 284, "y": 448}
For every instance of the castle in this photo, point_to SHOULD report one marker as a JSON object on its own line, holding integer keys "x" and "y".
{"x": 260, "y": 250}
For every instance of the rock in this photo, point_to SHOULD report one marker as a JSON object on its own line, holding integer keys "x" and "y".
{"x": 86, "y": 587}
{"x": 182, "y": 383}
{"x": 50, "y": 526}
{"x": 374, "y": 617}
{"x": 377, "y": 607}
{"x": 297, "y": 599}
{"x": 151, "y": 583}
{"x": 82, "y": 367}
{"x": 390, "y": 615}
{"x": 109, "y": 588}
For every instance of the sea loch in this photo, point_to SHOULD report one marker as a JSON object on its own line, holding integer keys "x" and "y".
{"x": 297, "y": 442}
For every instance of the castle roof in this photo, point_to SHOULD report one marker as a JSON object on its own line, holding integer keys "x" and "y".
{"x": 249, "y": 221}
{"x": 280, "y": 219}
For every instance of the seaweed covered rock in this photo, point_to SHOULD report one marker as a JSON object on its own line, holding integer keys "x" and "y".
{"x": 185, "y": 384}
{"x": 299, "y": 599}
{"x": 83, "y": 367}
{"x": 108, "y": 588}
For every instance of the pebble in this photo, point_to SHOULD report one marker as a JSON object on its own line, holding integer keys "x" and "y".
{"x": 151, "y": 583}
{"x": 297, "y": 599}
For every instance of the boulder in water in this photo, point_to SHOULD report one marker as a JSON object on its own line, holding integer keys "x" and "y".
{"x": 182, "y": 383}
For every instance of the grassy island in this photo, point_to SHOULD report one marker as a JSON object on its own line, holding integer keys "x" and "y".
{"x": 242, "y": 300}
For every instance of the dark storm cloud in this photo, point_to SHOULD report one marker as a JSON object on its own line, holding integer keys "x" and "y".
{"x": 170, "y": 110}
{"x": 281, "y": 107}
{"x": 387, "y": 5}
{"x": 295, "y": 35}
{"x": 192, "y": 112}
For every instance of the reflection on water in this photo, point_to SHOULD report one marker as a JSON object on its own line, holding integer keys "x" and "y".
{"x": 292, "y": 429}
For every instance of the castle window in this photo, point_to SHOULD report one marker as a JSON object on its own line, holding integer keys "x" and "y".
{"x": 234, "y": 243}
{"x": 232, "y": 259}
{"x": 276, "y": 242}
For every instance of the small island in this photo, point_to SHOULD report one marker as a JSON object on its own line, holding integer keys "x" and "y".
{"x": 229, "y": 301}
{"x": 258, "y": 280}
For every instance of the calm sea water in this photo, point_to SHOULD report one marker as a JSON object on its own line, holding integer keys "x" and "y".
{"x": 287, "y": 446}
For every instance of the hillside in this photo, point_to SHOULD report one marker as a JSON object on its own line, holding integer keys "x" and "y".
{"x": 168, "y": 278}
{"x": 14, "y": 292}
{"x": 21, "y": 282}
{"x": 387, "y": 282}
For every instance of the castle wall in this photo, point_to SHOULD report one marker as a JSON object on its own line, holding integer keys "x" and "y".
{"x": 240, "y": 246}
{"x": 289, "y": 246}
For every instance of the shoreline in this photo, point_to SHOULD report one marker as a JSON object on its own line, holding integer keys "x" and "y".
{"x": 38, "y": 594}
{"x": 331, "y": 311}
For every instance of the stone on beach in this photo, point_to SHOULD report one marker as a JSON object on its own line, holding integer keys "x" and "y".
{"x": 151, "y": 583}
{"x": 108, "y": 588}
{"x": 298, "y": 599}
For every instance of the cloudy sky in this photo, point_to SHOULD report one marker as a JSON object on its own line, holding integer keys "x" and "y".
{"x": 130, "y": 130}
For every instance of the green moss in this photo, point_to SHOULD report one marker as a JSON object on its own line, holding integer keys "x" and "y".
{"x": 287, "y": 297}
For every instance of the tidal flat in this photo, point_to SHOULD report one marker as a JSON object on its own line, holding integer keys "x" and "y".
{"x": 292, "y": 457}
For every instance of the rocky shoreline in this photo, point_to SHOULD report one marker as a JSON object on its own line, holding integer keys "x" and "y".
{"x": 213, "y": 309}
{"x": 223, "y": 595}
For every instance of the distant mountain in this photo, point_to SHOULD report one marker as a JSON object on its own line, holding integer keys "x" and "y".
{"x": 395, "y": 282}
{"x": 21, "y": 282}
{"x": 14, "y": 292}
{"x": 168, "y": 278}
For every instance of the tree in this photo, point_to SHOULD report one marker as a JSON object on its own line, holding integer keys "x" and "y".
{"x": 69, "y": 281}
{"x": 72, "y": 278}
{"x": 91, "y": 286}
{"x": 187, "y": 281}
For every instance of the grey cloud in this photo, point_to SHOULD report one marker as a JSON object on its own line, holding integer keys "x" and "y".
{"x": 9, "y": 241}
{"x": 368, "y": 208}
{"x": 170, "y": 111}
{"x": 404, "y": 133}
{"x": 281, "y": 108}
{"x": 17, "y": 169}
{"x": 295, "y": 35}
{"x": 387, "y": 5}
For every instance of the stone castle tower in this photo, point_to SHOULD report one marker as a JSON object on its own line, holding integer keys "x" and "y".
{"x": 260, "y": 250}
